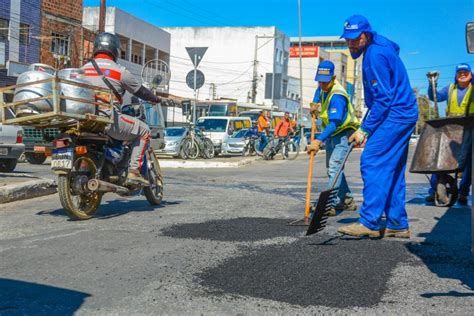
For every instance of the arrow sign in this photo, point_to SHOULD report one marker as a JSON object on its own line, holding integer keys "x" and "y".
{"x": 199, "y": 51}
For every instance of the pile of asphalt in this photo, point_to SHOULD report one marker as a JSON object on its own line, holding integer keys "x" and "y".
{"x": 243, "y": 229}
{"x": 315, "y": 271}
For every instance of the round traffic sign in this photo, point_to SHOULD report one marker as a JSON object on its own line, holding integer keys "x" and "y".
{"x": 199, "y": 79}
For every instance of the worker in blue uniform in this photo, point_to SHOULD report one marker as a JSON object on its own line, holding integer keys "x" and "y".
{"x": 339, "y": 122}
{"x": 393, "y": 113}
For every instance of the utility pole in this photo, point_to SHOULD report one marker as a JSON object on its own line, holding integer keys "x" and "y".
{"x": 102, "y": 16}
{"x": 301, "y": 62}
{"x": 255, "y": 73}
{"x": 195, "y": 84}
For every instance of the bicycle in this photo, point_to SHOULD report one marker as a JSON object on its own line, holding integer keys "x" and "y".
{"x": 283, "y": 146}
{"x": 252, "y": 146}
{"x": 195, "y": 144}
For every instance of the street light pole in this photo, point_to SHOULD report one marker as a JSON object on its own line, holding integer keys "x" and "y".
{"x": 301, "y": 60}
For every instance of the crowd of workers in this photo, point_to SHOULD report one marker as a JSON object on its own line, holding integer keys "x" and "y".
{"x": 386, "y": 129}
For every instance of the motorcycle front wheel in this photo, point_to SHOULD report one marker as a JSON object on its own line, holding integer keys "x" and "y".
{"x": 79, "y": 205}
{"x": 154, "y": 192}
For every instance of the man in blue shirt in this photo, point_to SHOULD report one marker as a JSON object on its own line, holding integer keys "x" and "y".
{"x": 393, "y": 113}
{"x": 339, "y": 122}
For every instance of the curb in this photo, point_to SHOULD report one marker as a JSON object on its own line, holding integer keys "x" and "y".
{"x": 27, "y": 190}
{"x": 196, "y": 164}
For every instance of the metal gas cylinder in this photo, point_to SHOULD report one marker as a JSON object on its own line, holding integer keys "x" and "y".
{"x": 70, "y": 106}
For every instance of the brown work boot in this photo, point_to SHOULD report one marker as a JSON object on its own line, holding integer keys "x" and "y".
{"x": 134, "y": 176}
{"x": 331, "y": 212}
{"x": 348, "y": 204}
{"x": 358, "y": 230}
{"x": 397, "y": 233}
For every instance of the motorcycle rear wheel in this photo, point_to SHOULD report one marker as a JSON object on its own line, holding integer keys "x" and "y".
{"x": 78, "y": 206}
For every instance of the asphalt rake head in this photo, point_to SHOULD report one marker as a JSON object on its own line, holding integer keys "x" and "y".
{"x": 319, "y": 217}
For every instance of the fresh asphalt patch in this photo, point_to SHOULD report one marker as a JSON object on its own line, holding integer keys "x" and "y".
{"x": 243, "y": 229}
{"x": 321, "y": 270}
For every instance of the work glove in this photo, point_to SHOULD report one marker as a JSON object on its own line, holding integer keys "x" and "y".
{"x": 314, "y": 146}
{"x": 315, "y": 109}
{"x": 358, "y": 137}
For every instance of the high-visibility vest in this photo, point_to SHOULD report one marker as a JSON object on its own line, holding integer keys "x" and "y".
{"x": 455, "y": 109}
{"x": 351, "y": 121}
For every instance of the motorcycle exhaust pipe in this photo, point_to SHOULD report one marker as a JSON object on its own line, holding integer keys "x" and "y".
{"x": 95, "y": 185}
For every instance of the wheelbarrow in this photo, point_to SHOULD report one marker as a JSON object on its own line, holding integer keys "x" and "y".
{"x": 443, "y": 149}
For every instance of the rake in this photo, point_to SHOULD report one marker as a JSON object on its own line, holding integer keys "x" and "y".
{"x": 326, "y": 201}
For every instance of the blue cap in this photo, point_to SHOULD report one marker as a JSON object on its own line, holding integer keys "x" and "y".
{"x": 325, "y": 71}
{"x": 463, "y": 67}
{"x": 354, "y": 26}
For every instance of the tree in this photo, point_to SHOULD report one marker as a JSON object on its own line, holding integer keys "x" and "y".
{"x": 425, "y": 108}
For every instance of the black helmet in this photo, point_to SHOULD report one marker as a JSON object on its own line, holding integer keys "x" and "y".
{"x": 107, "y": 43}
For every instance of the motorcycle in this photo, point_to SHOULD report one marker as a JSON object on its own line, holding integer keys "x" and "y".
{"x": 90, "y": 164}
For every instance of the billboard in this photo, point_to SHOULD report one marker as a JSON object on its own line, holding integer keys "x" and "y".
{"x": 306, "y": 51}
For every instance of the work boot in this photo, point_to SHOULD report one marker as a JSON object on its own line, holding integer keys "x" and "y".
{"x": 134, "y": 176}
{"x": 397, "y": 233}
{"x": 331, "y": 212}
{"x": 358, "y": 230}
{"x": 462, "y": 200}
{"x": 430, "y": 198}
{"x": 349, "y": 204}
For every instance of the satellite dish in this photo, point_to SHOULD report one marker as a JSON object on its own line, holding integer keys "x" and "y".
{"x": 156, "y": 75}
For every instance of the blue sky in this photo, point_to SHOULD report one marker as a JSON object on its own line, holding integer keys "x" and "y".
{"x": 429, "y": 32}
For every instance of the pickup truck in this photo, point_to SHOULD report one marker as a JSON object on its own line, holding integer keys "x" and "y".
{"x": 11, "y": 146}
{"x": 36, "y": 147}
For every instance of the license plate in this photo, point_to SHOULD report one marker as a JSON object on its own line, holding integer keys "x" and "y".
{"x": 62, "y": 158}
{"x": 39, "y": 149}
{"x": 3, "y": 151}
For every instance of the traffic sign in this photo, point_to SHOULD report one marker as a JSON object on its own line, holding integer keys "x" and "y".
{"x": 199, "y": 79}
{"x": 199, "y": 51}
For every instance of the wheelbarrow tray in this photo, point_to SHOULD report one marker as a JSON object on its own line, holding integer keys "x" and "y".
{"x": 442, "y": 145}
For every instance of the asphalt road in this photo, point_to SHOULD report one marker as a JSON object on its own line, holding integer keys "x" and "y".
{"x": 219, "y": 244}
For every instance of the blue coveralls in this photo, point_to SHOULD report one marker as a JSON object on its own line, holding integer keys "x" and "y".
{"x": 390, "y": 123}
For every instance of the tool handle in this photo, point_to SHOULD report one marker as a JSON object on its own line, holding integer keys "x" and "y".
{"x": 435, "y": 97}
{"x": 310, "y": 170}
{"x": 339, "y": 171}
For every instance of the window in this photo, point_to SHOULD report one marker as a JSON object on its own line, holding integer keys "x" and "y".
{"x": 3, "y": 29}
{"x": 24, "y": 34}
{"x": 60, "y": 44}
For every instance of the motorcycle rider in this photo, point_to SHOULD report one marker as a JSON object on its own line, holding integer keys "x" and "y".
{"x": 125, "y": 127}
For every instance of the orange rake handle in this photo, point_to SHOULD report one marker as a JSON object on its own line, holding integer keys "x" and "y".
{"x": 310, "y": 171}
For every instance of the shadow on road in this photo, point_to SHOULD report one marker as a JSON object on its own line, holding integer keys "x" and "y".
{"x": 117, "y": 208}
{"x": 22, "y": 298}
{"x": 446, "y": 250}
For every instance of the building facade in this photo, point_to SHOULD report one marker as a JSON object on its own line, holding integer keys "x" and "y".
{"x": 140, "y": 41}
{"x": 62, "y": 34}
{"x": 238, "y": 65}
{"x": 19, "y": 37}
{"x": 317, "y": 49}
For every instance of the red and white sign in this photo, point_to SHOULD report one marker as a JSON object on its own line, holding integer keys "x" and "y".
{"x": 306, "y": 51}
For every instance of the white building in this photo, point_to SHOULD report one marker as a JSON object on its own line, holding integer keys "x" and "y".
{"x": 140, "y": 41}
{"x": 316, "y": 49}
{"x": 237, "y": 65}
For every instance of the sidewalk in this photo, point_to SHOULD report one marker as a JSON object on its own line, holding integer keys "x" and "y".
{"x": 218, "y": 162}
{"x": 21, "y": 186}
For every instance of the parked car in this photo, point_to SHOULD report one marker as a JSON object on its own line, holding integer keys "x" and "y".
{"x": 234, "y": 145}
{"x": 219, "y": 128}
{"x": 11, "y": 146}
{"x": 173, "y": 138}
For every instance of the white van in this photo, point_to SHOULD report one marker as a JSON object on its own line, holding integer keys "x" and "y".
{"x": 219, "y": 128}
